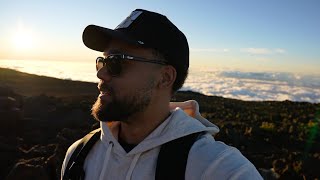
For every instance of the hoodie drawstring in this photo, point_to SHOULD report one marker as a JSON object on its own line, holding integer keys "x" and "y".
{"x": 106, "y": 160}
{"x": 132, "y": 166}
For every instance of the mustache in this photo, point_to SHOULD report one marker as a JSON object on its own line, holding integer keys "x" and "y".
{"x": 105, "y": 87}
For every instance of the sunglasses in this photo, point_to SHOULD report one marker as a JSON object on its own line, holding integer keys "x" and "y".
{"x": 114, "y": 62}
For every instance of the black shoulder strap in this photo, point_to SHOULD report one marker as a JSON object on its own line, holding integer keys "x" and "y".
{"x": 74, "y": 169}
{"x": 173, "y": 157}
{"x": 171, "y": 163}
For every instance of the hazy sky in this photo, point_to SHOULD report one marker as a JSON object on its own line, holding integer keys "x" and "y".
{"x": 254, "y": 35}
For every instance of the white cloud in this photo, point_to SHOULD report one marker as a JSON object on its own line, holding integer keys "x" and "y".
{"x": 280, "y": 51}
{"x": 257, "y": 50}
{"x": 263, "y": 51}
{"x": 209, "y": 50}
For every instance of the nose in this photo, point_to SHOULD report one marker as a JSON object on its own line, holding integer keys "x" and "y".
{"x": 104, "y": 75}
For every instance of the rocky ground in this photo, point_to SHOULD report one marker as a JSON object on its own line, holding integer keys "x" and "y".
{"x": 41, "y": 117}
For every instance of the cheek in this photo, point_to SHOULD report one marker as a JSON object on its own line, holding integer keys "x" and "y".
{"x": 125, "y": 87}
{"x": 135, "y": 79}
{"x": 139, "y": 78}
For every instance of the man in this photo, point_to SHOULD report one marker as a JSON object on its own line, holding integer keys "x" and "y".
{"x": 146, "y": 61}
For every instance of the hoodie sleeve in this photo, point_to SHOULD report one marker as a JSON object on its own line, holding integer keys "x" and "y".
{"x": 210, "y": 159}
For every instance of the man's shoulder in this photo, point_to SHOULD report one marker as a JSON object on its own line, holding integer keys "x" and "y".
{"x": 208, "y": 158}
{"x": 69, "y": 152}
{"x": 73, "y": 147}
{"x": 206, "y": 147}
{"x": 84, "y": 140}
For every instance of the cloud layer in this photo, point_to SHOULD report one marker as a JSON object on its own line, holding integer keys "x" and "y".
{"x": 255, "y": 85}
{"x": 258, "y": 86}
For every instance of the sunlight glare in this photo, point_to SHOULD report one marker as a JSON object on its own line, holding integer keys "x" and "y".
{"x": 23, "y": 39}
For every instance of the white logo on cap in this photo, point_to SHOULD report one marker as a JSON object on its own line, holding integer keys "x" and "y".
{"x": 126, "y": 23}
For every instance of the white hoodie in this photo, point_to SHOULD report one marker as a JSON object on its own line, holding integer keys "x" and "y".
{"x": 208, "y": 159}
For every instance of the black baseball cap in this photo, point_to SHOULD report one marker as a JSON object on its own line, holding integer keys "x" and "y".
{"x": 146, "y": 29}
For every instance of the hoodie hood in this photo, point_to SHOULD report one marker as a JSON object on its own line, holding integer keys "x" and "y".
{"x": 185, "y": 119}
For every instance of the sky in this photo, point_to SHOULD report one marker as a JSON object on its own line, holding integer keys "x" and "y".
{"x": 247, "y": 35}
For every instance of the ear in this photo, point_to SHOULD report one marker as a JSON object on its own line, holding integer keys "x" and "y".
{"x": 168, "y": 76}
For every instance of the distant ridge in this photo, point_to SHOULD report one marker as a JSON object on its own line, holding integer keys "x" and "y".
{"x": 30, "y": 84}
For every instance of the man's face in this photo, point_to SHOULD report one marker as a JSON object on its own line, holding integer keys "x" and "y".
{"x": 131, "y": 91}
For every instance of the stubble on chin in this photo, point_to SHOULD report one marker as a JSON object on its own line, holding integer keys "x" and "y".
{"x": 120, "y": 109}
{"x": 109, "y": 112}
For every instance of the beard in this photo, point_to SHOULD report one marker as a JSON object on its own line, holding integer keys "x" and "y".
{"x": 120, "y": 109}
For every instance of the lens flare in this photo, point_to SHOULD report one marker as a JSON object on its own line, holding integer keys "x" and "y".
{"x": 313, "y": 132}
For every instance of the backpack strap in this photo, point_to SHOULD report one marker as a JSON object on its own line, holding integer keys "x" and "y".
{"x": 74, "y": 169}
{"x": 171, "y": 163}
{"x": 173, "y": 157}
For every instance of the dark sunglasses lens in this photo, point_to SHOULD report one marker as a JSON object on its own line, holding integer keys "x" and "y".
{"x": 112, "y": 63}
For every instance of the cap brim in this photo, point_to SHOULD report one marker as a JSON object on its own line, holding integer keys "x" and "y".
{"x": 98, "y": 38}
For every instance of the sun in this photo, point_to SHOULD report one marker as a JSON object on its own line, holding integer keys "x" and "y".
{"x": 23, "y": 39}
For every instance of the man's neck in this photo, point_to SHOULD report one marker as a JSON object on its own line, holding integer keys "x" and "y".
{"x": 138, "y": 127}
